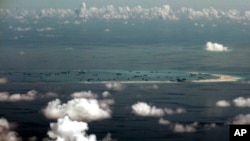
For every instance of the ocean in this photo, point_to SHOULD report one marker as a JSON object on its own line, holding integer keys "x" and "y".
{"x": 138, "y": 63}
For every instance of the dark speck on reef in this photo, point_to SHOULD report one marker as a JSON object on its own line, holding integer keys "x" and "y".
{"x": 89, "y": 79}
{"x": 81, "y": 72}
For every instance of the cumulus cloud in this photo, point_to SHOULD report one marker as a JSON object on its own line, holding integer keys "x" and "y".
{"x": 5, "y": 96}
{"x": 242, "y": 102}
{"x": 164, "y": 122}
{"x": 223, "y": 103}
{"x": 106, "y": 94}
{"x": 5, "y": 131}
{"x": 143, "y": 109}
{"x": 80, "y": 109}
{"x": 67, "y": 130}
{"x": 84, "y": 94}
{"x": 238, "y": 102}
{"x": 126, "y": 12}
{"x": 241, "y": 119}
{"x": 29, "y": 96}
{"x": 188, "y": 128}
{"x": 216, "y": 47}
{"x": 185, "y": 128}
{"x": 61, "y": 13}
{"x": 3, "y": 80}
{"x": 208, "y": 13}
{"x": 115, "y": 86}
{"x": 170, "y": 111}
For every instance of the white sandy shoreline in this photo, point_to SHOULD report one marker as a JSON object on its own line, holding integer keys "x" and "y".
{"x": 220, "y": 78}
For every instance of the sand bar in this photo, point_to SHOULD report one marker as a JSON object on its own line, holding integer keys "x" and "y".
{"x": 219, "y": 78}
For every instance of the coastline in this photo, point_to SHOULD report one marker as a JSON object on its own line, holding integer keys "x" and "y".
{"x": 220, "y": 78}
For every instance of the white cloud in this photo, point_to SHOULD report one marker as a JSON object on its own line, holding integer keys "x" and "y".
{"x": 164, "y": 122}
{"x": 185, "y": 128}
{"x": 106, "y": 94}
{"x": 80, "y": 109}
{"x": 115, "y": 86}
{"x": 110, "y": 12}
{"x": 108, "y": 138}
{"x": 207, "y": 13}
{"x": 215, "y": 47}
{"x": 181, "y": 128}
{"x": 67, "y": 130}
{"x": 3, "y": 80}
{"x": 107, "y": 30}
{"x": 61, "y": 13}
{"x": 222, "y": 103}
{"x": 44, "y": 29}
{"x": 5, "y": 96}
{"x": 177, "y": 111}
{"x": 77, "y": 22}
{"x": 143, "y": 109}
{"x": 242, "y": 102}
{"x": 241, "y": 119}
{"x": 84, "y": 94}
{"x": 29, "y": 96}
{"x": 66, "y": 22}
{"x": 211, "y": 125}
{"x": 5, "y": 131}
{"x": 22, "y": 28}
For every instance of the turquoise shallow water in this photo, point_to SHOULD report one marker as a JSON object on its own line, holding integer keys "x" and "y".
{"x": 102, "y": 76}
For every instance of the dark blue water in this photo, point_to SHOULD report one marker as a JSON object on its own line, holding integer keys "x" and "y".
{"x": 52, "y": 63}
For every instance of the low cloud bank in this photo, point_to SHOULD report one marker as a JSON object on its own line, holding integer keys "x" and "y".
{"x": 29, "y": 96}
{"x": 144, "y": 109}
{"x": 215, "y": 47}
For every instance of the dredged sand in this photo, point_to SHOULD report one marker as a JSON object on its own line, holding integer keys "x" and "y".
{"x": 219, "y": 78}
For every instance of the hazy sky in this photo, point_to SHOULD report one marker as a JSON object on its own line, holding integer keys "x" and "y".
{"x": 223, "y": 4}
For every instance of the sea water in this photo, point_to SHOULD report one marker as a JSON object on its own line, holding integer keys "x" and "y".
{"x": 73, "y": 60}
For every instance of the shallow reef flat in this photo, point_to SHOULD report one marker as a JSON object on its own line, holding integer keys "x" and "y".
{"x": 122, "y": 76}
